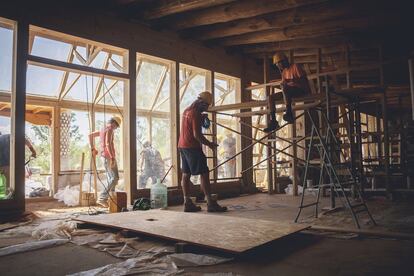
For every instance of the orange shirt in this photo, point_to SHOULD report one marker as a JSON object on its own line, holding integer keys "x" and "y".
{"x": 292, "y": 75}
{"x": 191, "y": 120}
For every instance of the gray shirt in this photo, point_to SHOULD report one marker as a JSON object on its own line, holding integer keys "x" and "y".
{"x": 4, "y": 150}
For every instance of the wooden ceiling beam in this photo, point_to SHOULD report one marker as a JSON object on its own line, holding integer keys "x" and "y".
{"x": 168, "y": 7}
{"x": 330, "y": 27}
{"x": 312, "y": 43}
{"x": 233, "y": 11}
{"x": 296, "y": 16}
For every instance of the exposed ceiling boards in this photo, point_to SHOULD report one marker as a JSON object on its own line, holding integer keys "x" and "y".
{"x": 263, "y": 26}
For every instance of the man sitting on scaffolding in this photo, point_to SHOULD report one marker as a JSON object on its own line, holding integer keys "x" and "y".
{"x": 294, "y": 84}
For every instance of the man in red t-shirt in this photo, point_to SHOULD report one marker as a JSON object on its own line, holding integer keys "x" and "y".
{"x": 193, "y": 160}
{"x": 294, "y": 84}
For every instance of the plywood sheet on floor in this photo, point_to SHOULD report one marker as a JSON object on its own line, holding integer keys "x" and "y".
{"x": 226, "y": 233}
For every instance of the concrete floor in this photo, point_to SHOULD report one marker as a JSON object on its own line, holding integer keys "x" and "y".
{"x": 299, "y": 254}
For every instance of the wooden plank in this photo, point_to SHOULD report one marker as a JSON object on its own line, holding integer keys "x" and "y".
{"x": 331, "y": 27}
{"x": 81, "y": 69}
{"x": 235, "y": 10}
{"x": 178, "y": 6}
{"x": 282, "y": 19}
{"x": 226, "y": 233}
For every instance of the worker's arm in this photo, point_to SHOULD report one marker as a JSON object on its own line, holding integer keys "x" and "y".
{"x": 198, "y": 135}
{"x": 142, "y": 160}
{"x": 92, "y": 141}
{"x": 30, "y": 146}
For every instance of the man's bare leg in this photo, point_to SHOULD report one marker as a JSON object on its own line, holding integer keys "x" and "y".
{"x": 185, "y": 184}
{"x": 189, "y": 206}
{"x": 288, "y": 116}
{"x": 272, "y": 124}
{"x": 212, "y": 205}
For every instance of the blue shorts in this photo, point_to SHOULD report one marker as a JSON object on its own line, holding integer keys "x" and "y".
{"x": 193, "y": 161}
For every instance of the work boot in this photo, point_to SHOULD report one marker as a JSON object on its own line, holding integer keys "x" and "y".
{"x": 272, "y": 125}
{"x": 103, "y": 203}
{"x": 288, "y": 117}
{"x": 189, "y": 206}
{"x": 215, "y": 207}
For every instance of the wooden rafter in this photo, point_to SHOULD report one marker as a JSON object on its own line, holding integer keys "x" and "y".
{"x": 159, "y": 87}
{"x": 282, "y": 19}
{"x": 107, "y": 91}
{"x": 66, "y": 91}
{"x": 66, "y": 73}
{"x": 117, "y": 65}
{"x": 169, "y": 7}
{"x": 101, "y": 79}
{"x": 184, "y": 85}
{"x": 235, "y": 10}
{"x": 330, "y": 27}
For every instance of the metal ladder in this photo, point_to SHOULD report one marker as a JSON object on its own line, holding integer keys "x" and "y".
{"x": 334, "y": 167}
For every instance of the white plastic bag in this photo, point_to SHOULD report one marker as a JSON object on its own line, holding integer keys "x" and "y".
{"x": 69, "y": 195}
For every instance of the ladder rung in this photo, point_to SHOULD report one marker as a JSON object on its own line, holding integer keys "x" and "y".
{"x": 360, "y": 211}
{"x": 308, "y": 205}
{"x": 358, "y": 205}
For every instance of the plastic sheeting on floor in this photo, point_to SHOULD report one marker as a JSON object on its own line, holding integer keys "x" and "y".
{"x": 190, "y": 259}
{"x": 143, "y": 265}
{"x": 30, "y": 246}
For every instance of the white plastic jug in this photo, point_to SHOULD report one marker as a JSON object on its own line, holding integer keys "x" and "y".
{"x": 158, "y": 195}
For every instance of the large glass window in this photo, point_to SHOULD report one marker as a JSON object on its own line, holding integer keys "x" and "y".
{"x": 153, "y": 121}
{"x": 62, "y": 47}
{"x": 194, "y": 80}
{"x": 226, "y": 91}
{"x": 6, "y": 56}
{"x": 7, "y": 32}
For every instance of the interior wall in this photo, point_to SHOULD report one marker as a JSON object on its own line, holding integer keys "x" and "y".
{"x": 89, "y": 22}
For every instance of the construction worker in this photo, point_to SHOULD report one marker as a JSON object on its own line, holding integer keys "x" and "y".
{"x": 152, "y": 165}
{"x": 5, "y": 154}
{"x": 193, "y": 160}
{"x": 107, "y": 150}
{"x": 294, "y": 84}
{"x": 229, "y": 150}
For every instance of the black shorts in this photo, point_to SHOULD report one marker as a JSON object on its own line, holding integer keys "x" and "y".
{"x": 193, "y": 161}
{"x": 294, "y": 92}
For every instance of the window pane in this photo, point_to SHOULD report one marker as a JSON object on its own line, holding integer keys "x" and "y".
{"x": 48, "y": 48}
{"x": 6, "y": 59}
{"x": 192, "y": 82}
{"x": 74, "y": 129}
{"x": 153, "y": 121}
{"x": 54, "y": 45}
{"x": 6, "y": 110}
{"x": 38, "y": 177}
{"x": 36, "y": 84}
{"x": 6, "y": 187}
{"x": 225, "y": 89}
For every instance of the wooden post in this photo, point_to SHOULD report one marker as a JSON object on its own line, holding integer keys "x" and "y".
{"x": 348, "y": 63}
{"x": 381, "y": 62}
{"x": 328, "y": 115}
{"x": 411, "y": 70}
{"x": 175, "y": 119}
{"x": 386, "y": 144}
{"x": 359, "y": 159}
{"x": 56, "y": 148}
{"x": 18, "y": 115}
{"x": 318, "y": 69}
{"x": 294, "y": 159}
{"x": 214, "y": 126}
{"x": 266, "y": 75}
{"x": 130, "y": 124}
{"x": 81, "y": 178}
{"x": 247, "y": 156}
